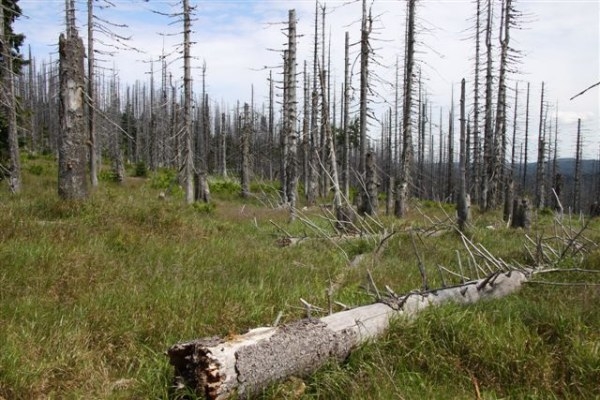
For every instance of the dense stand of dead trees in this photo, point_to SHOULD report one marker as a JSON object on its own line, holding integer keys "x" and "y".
{"x": 153, "y": 124}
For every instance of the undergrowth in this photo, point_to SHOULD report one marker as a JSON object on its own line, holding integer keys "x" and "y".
{"x": 93, "y": 293}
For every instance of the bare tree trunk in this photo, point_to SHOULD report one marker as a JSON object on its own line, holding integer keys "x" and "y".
{"x": 450, "y": 183}
{"x": 223, "y": 147}
{"x": 577, "y": 183}
{"x": 346, "y": 127}
{"x": 463, "y": 202}
{"x": 366, "y": 25}
{"x": 290, "y": 105}
{"x": 312, "y": 190}
{"x": 556, "y": 176}
{"x": 245, "y": 173}
{"x": 509, "y": 184}
{"x": 34, "y": 134}
{"x": 188, "y": 152}
{"x": 284, "y": 134}
{"x": 91, "y": 97}
{"x": 343, "y": 213}
{"x": 389, "y": 204}
{"x": 526, "y": 140}
{"x": 487, "y": 201}
{"x": 271, "y": 126}
{"x": 404, "y": 183}
{"x": 500, "y": 126}
{"x": 118, "y": 168}
{"x": 14, "y": 180}
{"x": 306, "y": 129}
{"x": 369, "y": 202}
{"x": 324, "y": 150}
{"x": 539, "y": 180}
{"x": 72, "y": 139}
{"x": 477, "y": 172}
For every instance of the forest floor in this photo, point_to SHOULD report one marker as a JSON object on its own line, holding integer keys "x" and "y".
{"x": 93, "y": 293}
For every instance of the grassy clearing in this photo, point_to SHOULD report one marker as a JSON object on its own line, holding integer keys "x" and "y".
{"x": 93, "y": 293}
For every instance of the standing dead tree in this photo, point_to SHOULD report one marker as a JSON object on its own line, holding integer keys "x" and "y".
{"x": 487, "y": 182}
{"x": 8, "y": 101}
{"x": 93, "y": 154}
{"x": 188, "y": 150}
{"x": 245, "y": 144}
{"x": 462, "y": 205}
{"x": 404, "y": 181}
{"x": 368, "y": 205}
{"x": 540, "y": 200}
{"x": 289, "y": 104}
{"x": 72, "y": 138}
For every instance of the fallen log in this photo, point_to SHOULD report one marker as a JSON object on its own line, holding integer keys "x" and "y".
{"x": 247, "y": 364}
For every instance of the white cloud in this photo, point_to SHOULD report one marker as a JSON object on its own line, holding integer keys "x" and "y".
{"x": 560, "y": 42}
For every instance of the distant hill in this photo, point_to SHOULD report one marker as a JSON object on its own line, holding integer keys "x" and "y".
{"x": 566, "y": 166}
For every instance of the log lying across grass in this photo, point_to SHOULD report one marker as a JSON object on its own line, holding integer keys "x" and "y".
{"x": 245, "y": 365}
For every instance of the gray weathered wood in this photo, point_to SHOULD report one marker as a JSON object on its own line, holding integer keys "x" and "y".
{"x": 73, "y": 138}
{"x": 245, "y": 365}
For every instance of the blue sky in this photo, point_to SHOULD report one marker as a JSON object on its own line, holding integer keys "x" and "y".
{"x": 560, "y": 40}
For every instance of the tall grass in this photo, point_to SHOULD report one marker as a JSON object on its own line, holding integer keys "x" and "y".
{"x": 93, "y": 293}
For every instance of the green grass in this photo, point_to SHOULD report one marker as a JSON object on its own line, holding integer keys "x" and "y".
{"x": 93, "y": 293}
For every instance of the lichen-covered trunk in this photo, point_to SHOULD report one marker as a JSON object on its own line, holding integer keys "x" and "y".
{"x": 247, "y": 364}
{"x": 72, "y": 138}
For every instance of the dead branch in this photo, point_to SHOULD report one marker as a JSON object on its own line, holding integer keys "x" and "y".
{"x": 420, "y": 263}
{"x": 585, "y": 90}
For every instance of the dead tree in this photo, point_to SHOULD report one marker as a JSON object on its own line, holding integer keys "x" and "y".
{"x": 487, "y": 200}
{"x": 116, "y": 155}
{"x": 91, "y": 96}
{"x": 343, "y": 212}
{"x": 509, "y": 178}
{"x": 290, "y": 116}
{"x": 476, "y": 171}
{"x": 577, "y": 178}
{"x": 500, "y": 122}
{"x": 312, "y": 190}
{"x": 540, "y": 200}
{"x": 188, "y": 150}
{"x": 450, "y": 162}
{"x": 404, "y": 181}
{"x": 526, "y": 139}
{"x": 72, "y": 139}
{"x": 9, "y": 104}
{"x": 245, "y": 147}
{"x": 305, "y": 126}
{"x": 246, "y": 365}
{"x": 521, "y": 213}
{"x": 367, "y": 202}
{"x": 222, "y": 148}
{"x": 346, "y": 120}
{"x": 271, "y": 123}
{"x": 462, "y": 205}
